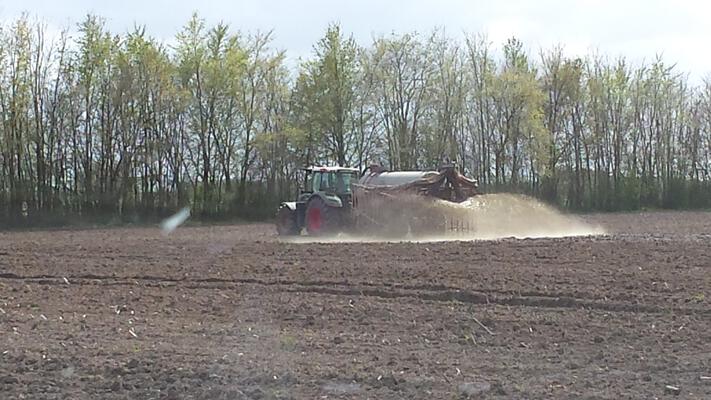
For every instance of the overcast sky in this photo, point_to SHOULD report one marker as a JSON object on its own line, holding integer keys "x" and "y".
{"x": 637, "y": 29}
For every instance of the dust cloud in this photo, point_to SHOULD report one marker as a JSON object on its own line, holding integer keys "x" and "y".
{"x": 490, "y": 217}
{"x": 509, "y": 215}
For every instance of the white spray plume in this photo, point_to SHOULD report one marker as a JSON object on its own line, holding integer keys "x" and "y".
{"x": 169, "y": 224}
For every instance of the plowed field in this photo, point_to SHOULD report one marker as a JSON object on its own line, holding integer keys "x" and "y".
{"x": 232, "y": 313}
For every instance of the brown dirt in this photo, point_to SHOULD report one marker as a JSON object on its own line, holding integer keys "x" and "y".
{"x": 231, "y": 313}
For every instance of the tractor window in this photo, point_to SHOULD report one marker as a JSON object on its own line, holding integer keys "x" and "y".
{"x": 328, "y": 182}
{"x": 309, "y": 183}
{"x": 316, "y": 182}
{"x": 337, "y": 182}
{"x": 332, "y": 182}
{"x": 343, "y": 182}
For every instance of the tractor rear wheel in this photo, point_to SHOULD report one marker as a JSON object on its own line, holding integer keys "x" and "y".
{"x": 286, "y": 222}
{"x": 322, "y": 219}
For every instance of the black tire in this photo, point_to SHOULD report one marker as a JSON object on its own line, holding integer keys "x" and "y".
{"x": 286, "y": 222}
{"x": 321, "y": 219}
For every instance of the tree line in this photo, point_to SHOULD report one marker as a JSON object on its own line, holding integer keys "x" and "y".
{"x": 103, "y": 125}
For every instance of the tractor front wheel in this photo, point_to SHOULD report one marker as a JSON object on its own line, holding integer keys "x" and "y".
{"x": 286, "y": 222}
{"x": 322, "y": 219}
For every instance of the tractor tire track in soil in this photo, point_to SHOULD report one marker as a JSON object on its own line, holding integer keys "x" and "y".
{"x": 422, "y": 292}
{"x": 230, "y": 312}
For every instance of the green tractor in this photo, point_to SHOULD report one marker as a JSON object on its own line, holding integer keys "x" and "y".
{"x": 323, "y": 205}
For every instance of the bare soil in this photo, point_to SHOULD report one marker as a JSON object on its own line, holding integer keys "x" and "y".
{"x": 232, "y": 313}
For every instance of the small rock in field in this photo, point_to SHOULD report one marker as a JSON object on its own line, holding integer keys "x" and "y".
{"x": 669, "y": 389}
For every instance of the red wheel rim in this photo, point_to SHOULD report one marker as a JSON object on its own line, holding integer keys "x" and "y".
{"x": 313, "y": 219}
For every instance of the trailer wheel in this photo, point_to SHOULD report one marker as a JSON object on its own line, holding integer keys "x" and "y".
{"x": 322, "y": 219}
{"x": 286, "y": 222}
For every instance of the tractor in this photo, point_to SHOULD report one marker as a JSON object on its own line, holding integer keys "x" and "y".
{"x": 323, "y": 205}
{"x": 378, "y": 201}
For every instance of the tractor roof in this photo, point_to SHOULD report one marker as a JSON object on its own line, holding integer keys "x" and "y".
{"x": 330, "y": 169}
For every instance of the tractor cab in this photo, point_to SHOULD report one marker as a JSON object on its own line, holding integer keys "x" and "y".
{"x": 329, "y": 180}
